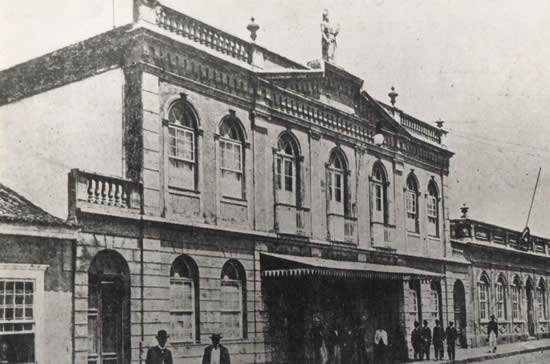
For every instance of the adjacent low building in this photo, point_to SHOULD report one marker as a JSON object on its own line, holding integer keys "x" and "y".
{"x": 36, "y": 282}
{"x": 508, "y": 278}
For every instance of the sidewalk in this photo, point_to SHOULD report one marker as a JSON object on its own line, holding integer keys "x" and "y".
{"x": 472, "y": 355}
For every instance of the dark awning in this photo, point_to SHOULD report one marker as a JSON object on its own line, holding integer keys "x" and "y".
{"x": 297, "y": 266}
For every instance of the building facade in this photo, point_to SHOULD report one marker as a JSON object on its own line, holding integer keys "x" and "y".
{"x": 220, "y": 187}
{"x": 508, "y": 279}
{"x": 36, "y": 286}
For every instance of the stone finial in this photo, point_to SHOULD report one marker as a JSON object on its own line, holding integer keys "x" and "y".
{"x": 464, "y": 209}
{"x": 393, "y": 95}
{"x": 439, "y": 123}
{"x": 253, "y": 29}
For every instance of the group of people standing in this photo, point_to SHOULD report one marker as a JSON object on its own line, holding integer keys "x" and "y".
{"x": 422, "y": 340}
{"x": 345, "y": 345}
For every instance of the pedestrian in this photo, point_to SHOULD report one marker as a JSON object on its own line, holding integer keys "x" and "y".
{"x": 216, "y": 353}
{"x": 318, "y": 344}
{"x": 348, "y": 346}
{"x": 438, "y": 336}
{"x": 336, "y": 341}
{"x": 361, "y": 341}
{"x": 159, "y": 354}
{"x": 416, "y": 341}
{"x": 451, "y": 335}
{"x": 426, "y": 335}
{"x": 380, "y": 345}
{"x": 492, "y": 331}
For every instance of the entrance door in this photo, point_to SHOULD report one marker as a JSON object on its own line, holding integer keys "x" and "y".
{"x": 108, "y": 310}
{"x": 111, "y": 317}
{"x": 459, "y": 299}
{"x": 530, "y": 309}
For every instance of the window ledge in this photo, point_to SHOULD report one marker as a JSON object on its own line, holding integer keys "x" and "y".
{"x": 234, "y": 201}
{"x": 413, "y": 234}
{"x": 183, "y": 191}
{"x": 434, "y": 238}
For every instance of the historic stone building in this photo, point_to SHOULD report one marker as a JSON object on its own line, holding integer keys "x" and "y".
{"x": 36, "y": 285}
{"x": 508, "y": 278}
{"x": 220, "y": 187}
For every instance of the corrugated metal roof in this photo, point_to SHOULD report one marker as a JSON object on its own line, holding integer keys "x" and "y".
{"x": 344, "y": 269}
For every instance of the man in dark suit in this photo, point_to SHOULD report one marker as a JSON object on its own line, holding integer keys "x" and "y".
{"x": 416, "y": 341}
{"x": 216, "y": 353}
{"x": 438, "y": 337}
{"x": 426, "y": 335}
{"x": 451, "y": 335}
{"x": 159, "y": 354}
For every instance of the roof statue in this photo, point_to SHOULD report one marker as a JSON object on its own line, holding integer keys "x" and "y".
{"x": 328, "y": 38}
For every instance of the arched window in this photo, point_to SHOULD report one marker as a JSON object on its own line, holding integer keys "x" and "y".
{"x": 232, "y": 158}
{"x": 184, "y": 300}
{"x": 516, "y": 299}
{"x": 287, "y": 171}
{"x": 415, "y": 299}
{"x": 337, "y": 183}
{"x": 432, "y": 209}
{"x": 411, "y": 196}
{"x": 379, "y": 194}
{"x": 182, "y": 145}
{"x": 500, "y": 298}
{"x": 436, "y": 300}
{"x": 483, "y": 297}
{"x": 233, "y": 300}
{"x": 541, "y": 301}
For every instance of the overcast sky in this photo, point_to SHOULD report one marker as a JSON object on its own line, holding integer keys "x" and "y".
{"x": 483, "y": 66}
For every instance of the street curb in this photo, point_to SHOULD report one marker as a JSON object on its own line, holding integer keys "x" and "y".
{"x": 497, "y": 355}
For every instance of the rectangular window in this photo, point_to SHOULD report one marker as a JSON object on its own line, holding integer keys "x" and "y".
{"x": 541, "y": 303}
{"x": 411, "y": 203}
{"x": 483, "y": 302}
{"x": 181, "y": 158}
{"x": 431, "y": 208}
{"x": 17, "y": 318}
{"x": 501, "y": 311}
{"x": 435, "y": 304}
{"x": 182, "y": 310}
{"x": 379, "y": 197}
{"x": 231, "y": 168}
{"x": 181, "y": 144}
{"x": 231, "y": 312}
{"x": 289, "y": 175}
{"x": 278, "y": 173}
{"x": 515, "y": 303}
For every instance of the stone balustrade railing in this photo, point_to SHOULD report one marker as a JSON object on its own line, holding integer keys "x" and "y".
{"x": 420, "y": 128}
{"x": 91, "y": 189}
{"x": 202, "y": 33}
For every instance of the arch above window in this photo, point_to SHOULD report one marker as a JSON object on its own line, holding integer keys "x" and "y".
{"x": 231, "y": 128}
{"x": 183, "y": 114}
{"x": 379, "y": 173}
{"x": 337, "y": 183}
{"x": 338, "y": 160}
{"x": 432, "y": 209}
{"x": 379, "y": 193}
{"x": 288, "y": 170}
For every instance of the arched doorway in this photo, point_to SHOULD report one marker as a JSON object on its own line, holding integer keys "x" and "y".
{"x": 530, "y": 290}
{"x": 459, "y": 299}
{"x": 108, "y": 309}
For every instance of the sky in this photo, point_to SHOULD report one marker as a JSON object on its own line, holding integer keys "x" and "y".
{"x": 482, "y": 66}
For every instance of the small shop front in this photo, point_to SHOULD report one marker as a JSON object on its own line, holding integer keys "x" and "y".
{"x": 343, "y": 301}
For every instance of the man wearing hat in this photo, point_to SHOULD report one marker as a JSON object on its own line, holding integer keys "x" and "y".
{"x": 216, "y": 353}
{"x": 492, "y": 331}
{"x": 159, "y": 354}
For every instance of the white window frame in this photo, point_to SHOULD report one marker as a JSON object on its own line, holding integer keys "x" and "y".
{"x": 412, "y": 210}
{"x": 178, "y": 129}
{"x": 283, "y": 194}
{"x": 500, "y": 298}
{"x": 336, "y": 207}
{"x": 432, "y": 211}
{"x": 234, "y": 143}
{"x": 516, "y": 302}
{"x": 541, "y": 303}
{"x": 31, "y": 272}
{"x": 483, "y": 299}
{"x": 174, "y": 312}
{"x": 237, "y": 283}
